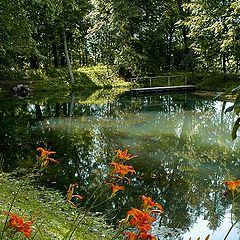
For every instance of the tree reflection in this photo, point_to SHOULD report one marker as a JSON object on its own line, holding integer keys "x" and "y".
{"x": 182, "y": 142}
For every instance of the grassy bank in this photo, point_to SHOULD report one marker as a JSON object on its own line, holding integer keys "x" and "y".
{"x": 56, "y": 79}
{"x": 216, "y": 82}
{"x": 51, "y": 214}
{"x": 103, "y": 77}
{"x": 204, "y": 81}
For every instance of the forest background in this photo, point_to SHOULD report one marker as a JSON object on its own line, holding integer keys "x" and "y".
{"x": 136, "y": 38}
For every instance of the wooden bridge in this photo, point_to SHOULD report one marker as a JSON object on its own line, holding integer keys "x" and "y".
{"x": 162, "y": 89}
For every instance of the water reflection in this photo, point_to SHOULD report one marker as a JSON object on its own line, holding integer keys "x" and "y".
{"x": 183, "y": 142}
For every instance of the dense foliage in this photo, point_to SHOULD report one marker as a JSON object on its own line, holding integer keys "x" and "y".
{"x": 137, "y": 36}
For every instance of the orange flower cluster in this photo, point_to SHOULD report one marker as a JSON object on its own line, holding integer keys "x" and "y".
{"x": 116, "y": 188}
{"x": 124, "y": 155}
{"x": 43, "y": 159}
{"x": 149, "y": 204}
{"x": 142, "y": 220}
{"x": 19, "y": 224}
{"x": 122, "y": 169}
{"x": 232, "y": 185}
{"x": 119, "y": 170}
{"x": 70, "y": 194}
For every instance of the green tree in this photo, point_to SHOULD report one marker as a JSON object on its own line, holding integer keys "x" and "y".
{"x": 15, "y": 34}
{"x": 214, "y": 32}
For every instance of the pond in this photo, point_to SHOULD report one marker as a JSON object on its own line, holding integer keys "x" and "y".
{"x": 183, "y": 143}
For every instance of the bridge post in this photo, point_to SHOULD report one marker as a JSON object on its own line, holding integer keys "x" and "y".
{"x": 168, "y": 80}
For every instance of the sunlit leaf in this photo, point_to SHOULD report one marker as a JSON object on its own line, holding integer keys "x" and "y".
{"x": 235, "y": 129}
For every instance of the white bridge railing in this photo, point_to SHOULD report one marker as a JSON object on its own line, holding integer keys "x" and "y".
{"x": 135, "y": 79}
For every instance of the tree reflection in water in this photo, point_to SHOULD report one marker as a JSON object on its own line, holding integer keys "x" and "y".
{"x": 183, "y": 143}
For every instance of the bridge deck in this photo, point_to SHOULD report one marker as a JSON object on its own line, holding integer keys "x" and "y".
{"x": 169, "y": 89}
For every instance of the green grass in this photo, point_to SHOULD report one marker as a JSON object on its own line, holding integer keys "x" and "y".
{"x": 54, "y": 79}
{"x": 51, "y": 213}
{"x": 100, "y": 76}
{"x": 217, "y": 82}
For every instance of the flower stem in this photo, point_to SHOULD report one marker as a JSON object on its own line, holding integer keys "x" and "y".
{"x": 230, "y": 229}
{"x": 10, "y": 208}
{"x": 13, "y": 201}
{"x": 76, "y": 221}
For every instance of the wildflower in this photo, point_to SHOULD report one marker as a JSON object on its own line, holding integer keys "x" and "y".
{"x": 140, "y": 235}
{"x": 122, "y": 169}
{"x": 141, "y": 219}
{"x": 132, "y": 235}
{"x": 124, "y": 155}
{"x": 45, "y": 151}
{"x": 233, "y": 184}
{"x": 148, "y": 203}
{"x": 19, "y": 224}
{"x": 14, "y": 221}
{"x": 26, "y": 228}
{"x": 70, "y": 196}
{"x": 115, "y": 188}
{"x": 44, "y": 159}
{"x": 144, "y": 235}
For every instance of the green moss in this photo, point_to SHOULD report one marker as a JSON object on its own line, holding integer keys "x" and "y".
{"x": 52, "y": 215}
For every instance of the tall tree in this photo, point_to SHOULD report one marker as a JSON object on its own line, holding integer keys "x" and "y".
{"x": 15, "y": 34}
{"x": 214, "y": 30}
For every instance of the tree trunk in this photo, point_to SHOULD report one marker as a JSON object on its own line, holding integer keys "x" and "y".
{"x": 71, "y": 104}
{"x": 39, "y": 115}
{"x": 33, "y": 63}
{"x": 237, "y": 66}
{"x": 184, "y": 33}
{"x": 72, "y": 80}
{"x": 86, "y": 56}
{"x": 224, "y": 66}
{"x": 169, "y": 50}
{"x": 55, "y": 55}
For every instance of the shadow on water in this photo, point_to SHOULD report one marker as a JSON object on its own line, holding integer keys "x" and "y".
{"x": 182, "y": 141}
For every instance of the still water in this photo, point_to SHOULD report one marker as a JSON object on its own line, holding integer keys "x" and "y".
{"x": 183, "y": 143}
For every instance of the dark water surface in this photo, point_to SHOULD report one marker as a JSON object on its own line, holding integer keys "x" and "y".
{"x": 183, "y": 143}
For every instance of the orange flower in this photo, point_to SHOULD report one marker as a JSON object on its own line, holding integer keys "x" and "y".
{"x": 142, "y": 220}
{"x": 122, "y": 169}
{"x": 233, "y": 184}
{"x": 19, "y": 225}
{"x": 45, "y": 151}
{"x": 44, "y": 159}
{"x": 144, "y": 235}
{"x": 123, "y": 155}
{"x": 26, "y": 228}
{"x": 131, "y": 235}
{"x": 70, "y": 196}
{"x": 140, "y": 235}
{"x": 148, "y": 203}
{"x": 116, "y": 188}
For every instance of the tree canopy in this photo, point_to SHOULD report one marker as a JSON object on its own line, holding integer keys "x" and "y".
{"x": 138, "y": 36}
